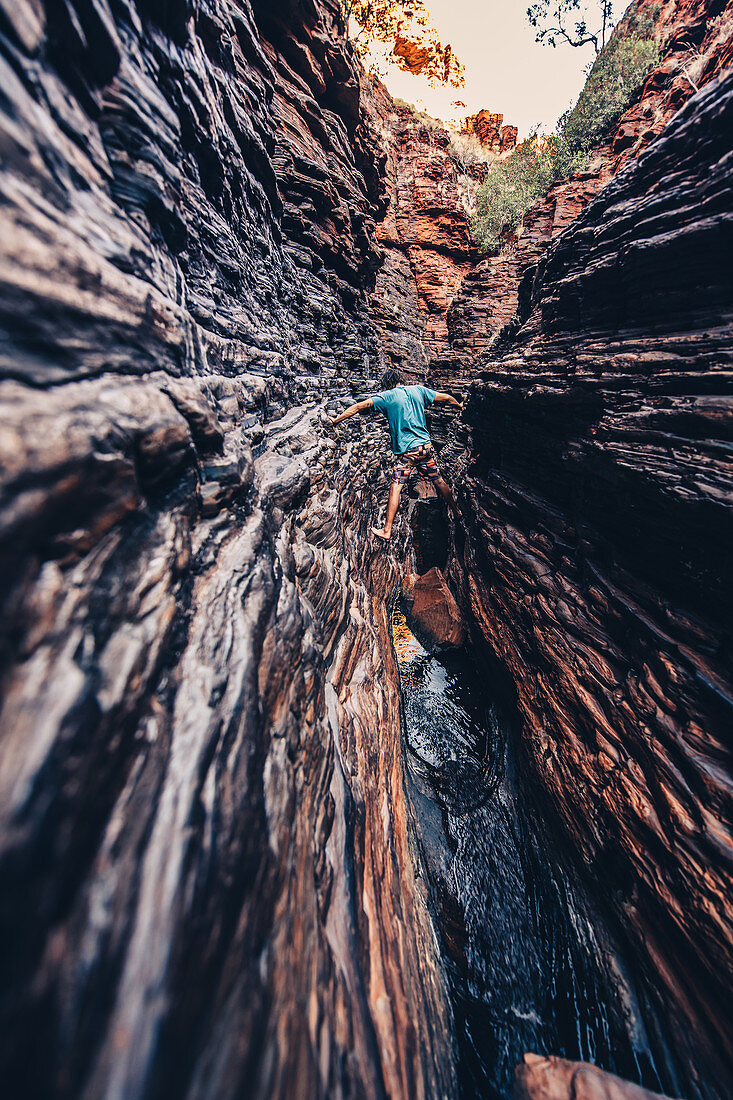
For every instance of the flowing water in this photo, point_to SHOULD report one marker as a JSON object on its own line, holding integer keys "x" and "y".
{"x": 530, "y": 965}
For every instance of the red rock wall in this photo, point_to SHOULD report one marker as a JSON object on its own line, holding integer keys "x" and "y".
{"x": 599, "y": 554}
{"x": 599, "y": 543}
{"x": 424, "y": 233}
{"x": 437, "y": 305}
{"x": 207, "y": 878}
{"x": 208, "y": 882}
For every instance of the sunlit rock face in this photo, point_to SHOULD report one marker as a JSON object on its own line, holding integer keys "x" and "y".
{"x": 697, "y": 39}
{"x": 599, "y": 556}
{"x": 206, "y": 871}
{"x": 490, "y": 131}
{"x": 424, "y": 232}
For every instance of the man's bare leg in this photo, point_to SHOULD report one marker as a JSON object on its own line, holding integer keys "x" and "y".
{"x": 444, "y": 489}
{"x": 392, "y": 505}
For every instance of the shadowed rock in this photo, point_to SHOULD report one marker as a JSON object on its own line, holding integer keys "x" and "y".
{"x": 207, "y": 877}
{"x": 598, "y": 501}
{"x": 209, "y": 884}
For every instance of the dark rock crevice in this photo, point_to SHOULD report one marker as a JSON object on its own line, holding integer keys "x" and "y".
{"x": 533, "y": 962}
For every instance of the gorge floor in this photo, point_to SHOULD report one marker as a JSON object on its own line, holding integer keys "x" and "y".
{"x": 532, "y": 963}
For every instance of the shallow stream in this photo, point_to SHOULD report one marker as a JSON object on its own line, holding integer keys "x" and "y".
{"x": 531, "y": 965}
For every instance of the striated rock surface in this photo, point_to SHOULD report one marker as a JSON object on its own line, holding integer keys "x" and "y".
{"x": 424, "y": 233}
{"x": 437, "y": 305}
{"x": 598, "y": 500}
{"x": 207, "y": 879}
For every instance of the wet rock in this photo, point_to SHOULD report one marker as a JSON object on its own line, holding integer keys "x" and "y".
{"x": 209, "y": 881}
{"x": 208, "y": 878}
{"x": 556, "y": 1079}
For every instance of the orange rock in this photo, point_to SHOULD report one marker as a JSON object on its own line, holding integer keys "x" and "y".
{"x": 539, "y": 1078}
{"x": 488, "y": 128}
{"x": 433, "y": 609}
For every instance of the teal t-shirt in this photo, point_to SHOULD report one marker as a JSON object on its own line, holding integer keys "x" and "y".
{"x": 404, "y": 407}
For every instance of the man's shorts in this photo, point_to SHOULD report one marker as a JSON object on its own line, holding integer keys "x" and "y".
{"x": 421, "y": 460}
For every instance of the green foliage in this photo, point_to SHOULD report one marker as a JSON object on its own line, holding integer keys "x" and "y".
{"x": 510, "y": 188}
{"x": 616, "y": 74}
{"x": 516, "y": 183}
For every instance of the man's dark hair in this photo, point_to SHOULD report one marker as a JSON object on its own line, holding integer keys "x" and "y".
{"x": 390, "y": 379}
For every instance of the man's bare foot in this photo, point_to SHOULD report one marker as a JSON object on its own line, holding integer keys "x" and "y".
{"x": 381, "y": 533}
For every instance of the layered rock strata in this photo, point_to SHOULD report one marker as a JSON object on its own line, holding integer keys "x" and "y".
{"x": 598, "y": 505}
{"x": 437, "y": 304}
{"x": 428, "y": 250}
{"x": 490, "y": 130}
{"x": 208, "y": 883}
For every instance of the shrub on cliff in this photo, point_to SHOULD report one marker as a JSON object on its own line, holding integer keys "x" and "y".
{"x": 468, "y": 150}
{"x": 510, "y": 188}
{"x": 614, "y": 77}
{"x": 516, "y": 183}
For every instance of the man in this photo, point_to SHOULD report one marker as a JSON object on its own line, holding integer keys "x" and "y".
{"x": 404, "y": 406}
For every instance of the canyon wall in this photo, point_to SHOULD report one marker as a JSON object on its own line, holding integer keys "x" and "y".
{"x": 424, "y": 233}
{"x": 438, "y": 304}
{"x": 207, "y": 878}
{"x": 696, "y": 41}
{"x": 209, "y": 882}
{"x": 597, "y": 502}
{"x": 599, "y": 551}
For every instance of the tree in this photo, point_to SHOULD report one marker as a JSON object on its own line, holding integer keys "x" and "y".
{"x": 567, "y": 21}
{"x": 404, "y": 26}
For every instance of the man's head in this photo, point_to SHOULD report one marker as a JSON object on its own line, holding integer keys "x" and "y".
{"x": 390, "y": 379}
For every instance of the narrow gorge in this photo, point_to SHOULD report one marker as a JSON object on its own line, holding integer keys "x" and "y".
{"x": 247, "y": 846}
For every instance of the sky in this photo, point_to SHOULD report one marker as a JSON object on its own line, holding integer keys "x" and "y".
{"x": 506, "y": 70}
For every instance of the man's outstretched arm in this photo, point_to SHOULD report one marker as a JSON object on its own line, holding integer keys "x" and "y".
{"x": 446, "y": 399}
{"x": 360, "y": 406}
